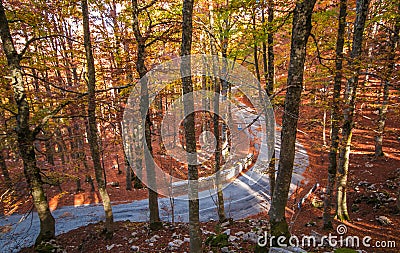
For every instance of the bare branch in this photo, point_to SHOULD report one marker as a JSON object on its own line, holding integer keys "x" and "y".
{"x": 53, "y": 85}
{"x": 46, "y": 119}
{"x": 320, "y": 58}
{"x": 115, "y": 88}
{"x": 8, "y": 110}
{"x": 279, "y": 91}
{"x": 147, "y": 6}
{"x": 160, "y": 37}
{"x": 76, "y": 92}
{"x": 32, "y": 40}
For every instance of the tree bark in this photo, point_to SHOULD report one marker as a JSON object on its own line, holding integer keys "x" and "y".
{"x": 349, "y": 107}
{"x": 398, "y": 201}
{"x": 335, "y": 112}
{"x": 225, "y": 91}
{"x": 189, "y": 126}
{"x": 271, "y": 56}
{"x": 393, "y": 44}
{"x": 255, "y": 46}
{"x": 25, "y": 136}
{"x": 62, "y": 147}
{"x": 300, "y": 33}
{"x": 128, "y": 172}
{"x": 218, "y": 152}
{"x": 269, "y": 74}
{"x": 155, "y": 222}
{"x": 92, "y": 124}
{"x": 49, "y": 144}
{"x": 4, "y": 170}
{"x": 78, "y": 185}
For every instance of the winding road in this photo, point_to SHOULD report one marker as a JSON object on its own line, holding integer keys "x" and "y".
{"x": 246, "y": 195}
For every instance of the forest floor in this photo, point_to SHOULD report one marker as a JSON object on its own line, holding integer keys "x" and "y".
{"x": 372, "y": 188}
{"x": 373, "y": 182}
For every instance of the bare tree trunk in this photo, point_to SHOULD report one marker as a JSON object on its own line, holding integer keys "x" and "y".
{"x": 131, "y": 168}
{"x": 138, "y": 136}
{"x": 324, "y": 123}
{"x": 189, "y": 126}
{"x": 300, "y": 33}
{"x": 128, "y": 172}
{"x": 398, "y": 201}
{"x": 393, "y": 43}
{"x": 4, "y": 170}
{"x": 62, "y": 147}
{"x": 337, "y": 86}
{"x": 155, "y": 222}
{"x": 220, "y": 197}
{"x": 26, "y": 136}
{"x": 255, "y": 46}
{"x": 89, "y": 180}
{"x": 225, "y": 89}
{"x": 49, "y": 144}
{"x": 269, "y": 73}
{"x": 348, "y": 114}
{"x": 382, "y": 120}
{"x": 218, "y": 145}
{"x": 92, "y": 125}
{"x": 271, "y": 56}
{"x": 78, "y": 185}
{"x": 127, "y": 150}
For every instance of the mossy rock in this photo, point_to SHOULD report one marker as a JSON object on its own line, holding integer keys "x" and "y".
{"x": 48, "y": 247}
{"x": 317, "y": 203}
{"x": 220, "y": 240}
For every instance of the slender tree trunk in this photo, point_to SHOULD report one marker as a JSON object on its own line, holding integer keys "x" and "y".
{"x": 4, "y": 170}
{"x": 128, "y": 172}
{"x": 49, "y": 144}
{"x": 348, "y": 114}
{"x": 78, "y": 185}
{"x": 335, "y": 112}
{"x": 25, "y": 136}
{"x": 393, "y": 44}
{"x": 138, "y": 136}
{"x": 92, "y": 125}
{"x": 382, "y": 120}
{"x": 155, "y": 222}
{"x": 255, "y": 46}
{"x": 205, "y": 124}
{"x": 398, "y": 201}
{"x": 269, "y": 73}
{"x": 62, "y": 147}
{"x": 323, "y": 100}
{"x": 300, "y": 33}
{"x": 220, "y": 197}
{"x": 127, "y": 150}
{"x": 271, "y": 55}
{"x": 189, "y": 126}
{"x": 218, "y": 145}
{"x": 89, "y": 180}
{"x": 224, "y": 144}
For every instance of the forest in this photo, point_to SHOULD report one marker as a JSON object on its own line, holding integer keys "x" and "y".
{"x": 200, "y": 126}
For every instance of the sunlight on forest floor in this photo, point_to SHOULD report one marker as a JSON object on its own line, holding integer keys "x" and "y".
{"x": 85, "y": 198}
